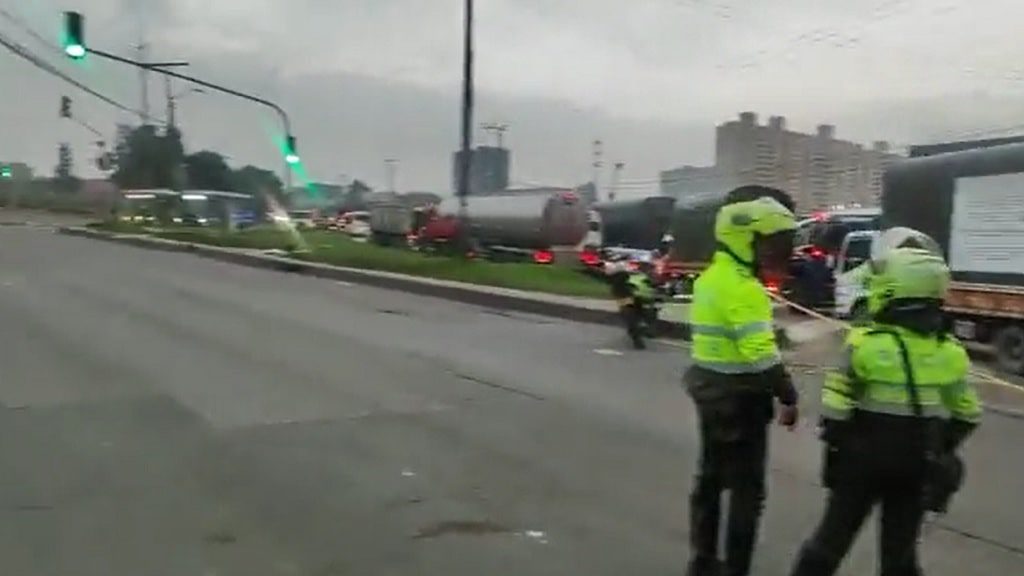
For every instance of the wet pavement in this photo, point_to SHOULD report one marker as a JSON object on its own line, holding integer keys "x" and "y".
{"x": 165, "y": 414}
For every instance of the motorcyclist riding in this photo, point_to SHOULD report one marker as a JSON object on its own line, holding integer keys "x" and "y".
{"x": 635, "y": 293}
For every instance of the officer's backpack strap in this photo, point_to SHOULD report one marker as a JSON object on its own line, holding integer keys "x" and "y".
{"x": 945, "y": 471}
{"x": 908, "y": 371}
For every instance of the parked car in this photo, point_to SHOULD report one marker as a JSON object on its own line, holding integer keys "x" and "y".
{"x": 357, "y": 224}
{"x": 303, "y": 218}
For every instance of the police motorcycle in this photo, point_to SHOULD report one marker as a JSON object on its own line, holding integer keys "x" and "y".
{"x": 636, "y": 294}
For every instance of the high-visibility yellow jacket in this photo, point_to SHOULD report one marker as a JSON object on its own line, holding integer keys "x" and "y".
{"x": 873, "y": 377}
{"x": 731, "y": 320}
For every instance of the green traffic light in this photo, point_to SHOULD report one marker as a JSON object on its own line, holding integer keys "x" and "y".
{"x": 74, "y": 35}
{"x": 75, "y": 51}
{"x": 291, "y": 154}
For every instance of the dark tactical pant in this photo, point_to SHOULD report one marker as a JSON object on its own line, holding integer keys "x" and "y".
{"x": 850, "y": 503}
{"x": 733, "y": 455}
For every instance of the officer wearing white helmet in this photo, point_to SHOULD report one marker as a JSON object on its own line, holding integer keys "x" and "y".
{"x": 895, "y": 413}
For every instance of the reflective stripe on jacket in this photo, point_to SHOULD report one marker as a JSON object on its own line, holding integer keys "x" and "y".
{"x": 873, "y": 378}
{"x": 731, "y": 320}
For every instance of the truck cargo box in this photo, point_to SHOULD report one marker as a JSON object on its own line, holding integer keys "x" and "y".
{"x": 972, "y": 203}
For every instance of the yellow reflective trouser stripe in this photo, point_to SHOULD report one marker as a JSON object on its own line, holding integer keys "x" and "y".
{"x": 739, "y": 367}
{"x": 731, "y": 332}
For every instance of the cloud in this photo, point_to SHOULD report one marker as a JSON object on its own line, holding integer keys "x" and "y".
{"x": 370, "y": 79}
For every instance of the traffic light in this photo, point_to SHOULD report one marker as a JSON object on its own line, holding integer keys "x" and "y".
{"x": 291, "y": 153}
{"x": 65, "y": 107}
{"x": 74, "y": 35}
{"x": 5, "y": 172}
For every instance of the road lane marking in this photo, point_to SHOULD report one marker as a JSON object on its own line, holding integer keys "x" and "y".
{"x": 607, "y": 352}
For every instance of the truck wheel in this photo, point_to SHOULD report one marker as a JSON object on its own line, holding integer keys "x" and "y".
{"x": 1009, "y": 343}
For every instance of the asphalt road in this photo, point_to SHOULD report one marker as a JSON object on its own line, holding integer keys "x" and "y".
{"x": 162, "y": 414}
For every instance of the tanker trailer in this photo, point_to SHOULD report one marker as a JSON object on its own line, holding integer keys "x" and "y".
{"x": 639, "y": 224}
{"x": 528, "y": 224}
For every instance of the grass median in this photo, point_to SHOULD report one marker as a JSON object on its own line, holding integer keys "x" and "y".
{"x": 338, "y": 249}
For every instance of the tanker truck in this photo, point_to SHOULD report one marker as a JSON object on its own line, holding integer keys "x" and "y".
{"x": 972, "y": 203}
{"x": 541, "y": 225}
{"x": 693, "y": 232}
{"x": 639, "y": 224}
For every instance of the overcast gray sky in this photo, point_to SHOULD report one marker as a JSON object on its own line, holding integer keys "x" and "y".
{"x": 367, "y": 80}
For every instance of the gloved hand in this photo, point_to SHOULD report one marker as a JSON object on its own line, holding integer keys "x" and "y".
{"x": 789, "y": 416}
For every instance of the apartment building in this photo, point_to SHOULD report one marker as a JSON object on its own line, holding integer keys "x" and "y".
{"x": 817, "y": 169}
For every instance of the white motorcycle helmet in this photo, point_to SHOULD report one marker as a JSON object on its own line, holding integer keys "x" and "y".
{"x": 901, "y": 237}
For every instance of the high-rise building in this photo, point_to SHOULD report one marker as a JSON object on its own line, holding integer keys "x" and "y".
{"x": 488, "y": 170}
{"x": 817, "y": 169}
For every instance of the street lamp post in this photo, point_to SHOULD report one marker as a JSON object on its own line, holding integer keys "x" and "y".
{"x": 467, "y": 125}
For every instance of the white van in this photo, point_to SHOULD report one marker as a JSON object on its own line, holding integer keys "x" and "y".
{"x": 851, "y": 294}
{"x": 357, "y": 224}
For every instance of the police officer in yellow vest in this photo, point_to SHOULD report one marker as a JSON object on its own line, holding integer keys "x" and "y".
{"x": 736, "y": 371}
{"x": 894, "y": 414}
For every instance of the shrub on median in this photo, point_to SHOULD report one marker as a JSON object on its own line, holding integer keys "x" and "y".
{"x": 338, "y": 249}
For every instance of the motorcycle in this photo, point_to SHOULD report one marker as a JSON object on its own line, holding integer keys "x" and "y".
{"x": 641, "y": 317}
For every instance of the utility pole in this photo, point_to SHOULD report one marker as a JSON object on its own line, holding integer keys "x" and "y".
{"x": 498, "y": 129}
{"x": 141, "y": 48}
{"x": 616, "y": 175}
{"x": 391, "y": 167}
{"x": 172, "y": 100}
{"x": 467, "y": 124}
{"x": 597, "y": 153}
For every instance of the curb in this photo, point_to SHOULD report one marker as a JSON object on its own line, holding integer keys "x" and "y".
{"x": 387, "y": 281}
{"x": 390, "y": 281}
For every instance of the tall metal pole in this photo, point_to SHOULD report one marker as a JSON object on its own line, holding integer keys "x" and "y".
{"x": 598, "y": 151}
{"x": 616, "y": 175}
{"x": 391, "y": 166}
{"x": 170, "y": 102}
{"x": 467, "y": 123}
{"x": 143, "y": 83}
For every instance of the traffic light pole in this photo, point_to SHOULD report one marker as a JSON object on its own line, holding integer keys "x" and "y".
{"x": 229, "y": 91}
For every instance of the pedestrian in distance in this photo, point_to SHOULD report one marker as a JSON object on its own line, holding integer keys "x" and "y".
{"x": 894, "y": 414}
{"x": 736, "y": 374}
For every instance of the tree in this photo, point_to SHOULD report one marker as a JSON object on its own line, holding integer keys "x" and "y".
{"x": 148, "y": 159}
{"x": 355, "y": 198}
{"x": 207, "y": 170}
{"x": 254, "y": 180}
{"x": 260, "y": 184}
